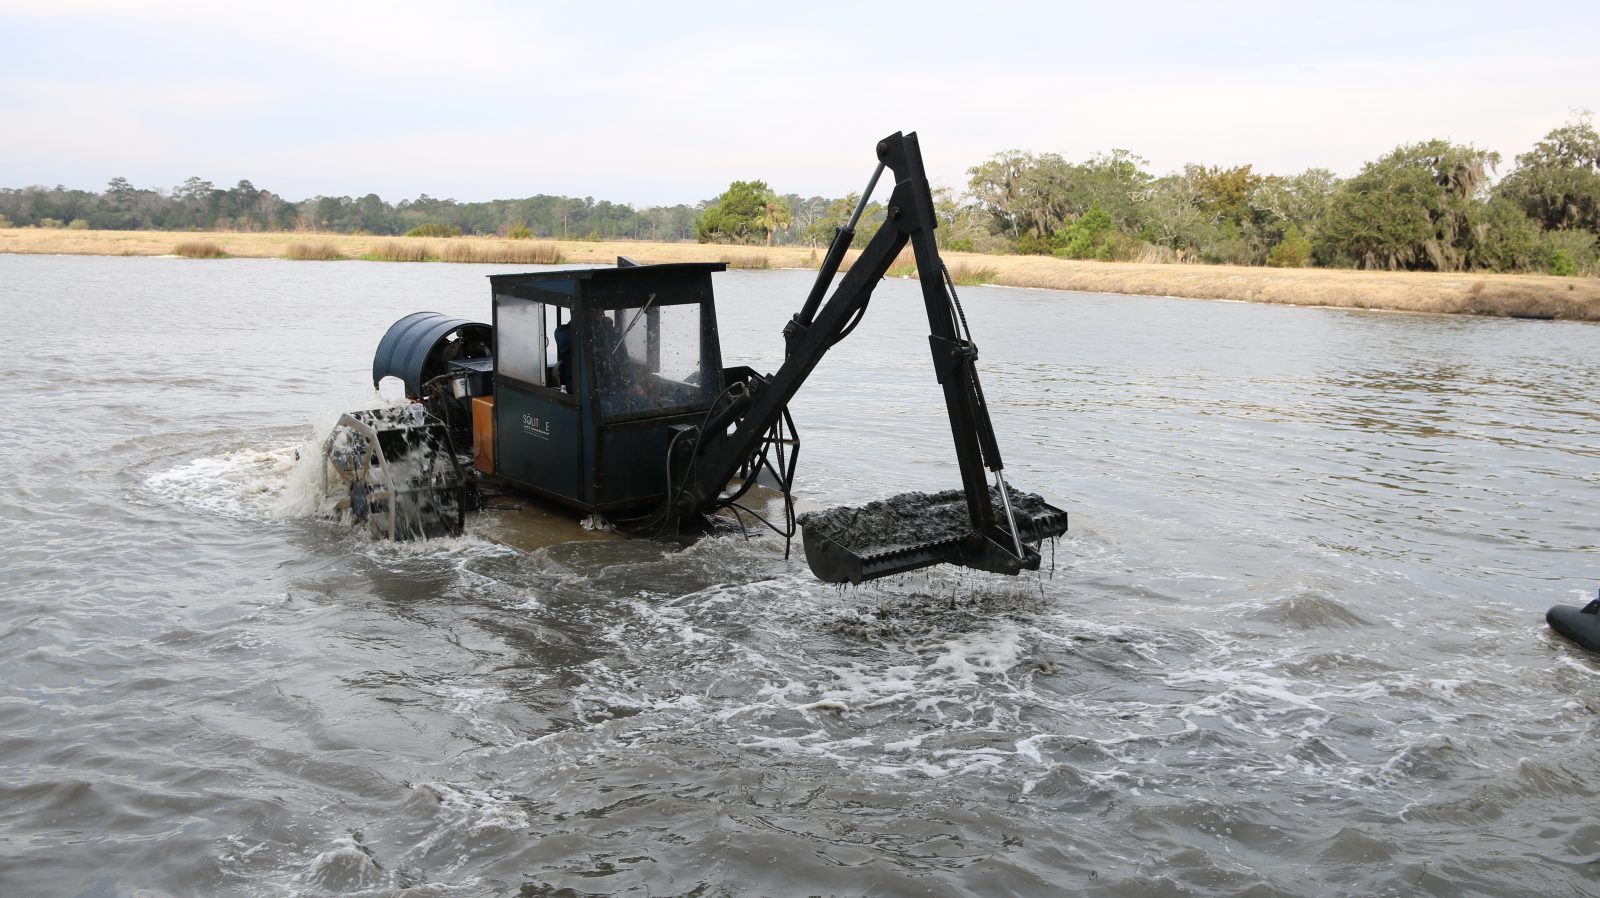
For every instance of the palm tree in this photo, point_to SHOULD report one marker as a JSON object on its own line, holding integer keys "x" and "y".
{"x": 774, "y": 215}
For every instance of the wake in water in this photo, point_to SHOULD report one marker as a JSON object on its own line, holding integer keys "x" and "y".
{"x": 247, "y": 483}
{"x": 256, "y": 483}
{"x": 293, "y": 482}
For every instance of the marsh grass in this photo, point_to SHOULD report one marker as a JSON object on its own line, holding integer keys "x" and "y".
{"x": 973, "y": 275}
{"x": 313, "y": 252}
{"x": 747, "y": 260}
{"x": 813, "y": 260}
{"x": 458, "y": 252}
{"x": 398, "y": 251}
{"x": 1533, "y": 296}
{"x": 904, "y": 265}
{"x": 1151, "y": 254}
{"x": 501, "y": 253}
{"x": 1522, "y": 295}
{"x": 199, "y": 249}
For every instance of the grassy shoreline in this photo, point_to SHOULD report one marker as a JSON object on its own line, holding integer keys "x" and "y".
{"x": 1532, "y": 296}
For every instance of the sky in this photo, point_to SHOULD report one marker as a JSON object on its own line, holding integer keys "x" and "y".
{"x": 664, "y": 103}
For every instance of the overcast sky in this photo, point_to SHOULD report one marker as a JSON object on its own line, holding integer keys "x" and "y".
{"x": 663, "y": 103}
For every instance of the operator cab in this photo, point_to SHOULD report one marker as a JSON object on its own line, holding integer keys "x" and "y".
{"x": 593, "y": 371}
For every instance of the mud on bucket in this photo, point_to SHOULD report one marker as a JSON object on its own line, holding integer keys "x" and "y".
{"x": 915, "y": 530}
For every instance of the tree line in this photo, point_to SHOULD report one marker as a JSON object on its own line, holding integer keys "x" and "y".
{"x": 1431, "y": 206}
{"x": 200, "y": 205}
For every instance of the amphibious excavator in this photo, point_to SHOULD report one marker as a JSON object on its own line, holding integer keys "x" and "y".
{"x": 603, "y": 390}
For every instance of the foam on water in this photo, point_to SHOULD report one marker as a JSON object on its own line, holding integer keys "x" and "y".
{"x": 246, "y": 483}
{"x": 254, "y": 482}
{"x": 1000, "y": 687}
{"x": 960, "y": 688}
{"x": 289, "y": 482}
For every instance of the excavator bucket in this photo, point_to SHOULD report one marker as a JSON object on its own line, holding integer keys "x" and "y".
{"x": 916, "y": 530}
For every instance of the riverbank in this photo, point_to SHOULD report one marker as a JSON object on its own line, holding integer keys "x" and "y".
{"x": 1534, "y": 296}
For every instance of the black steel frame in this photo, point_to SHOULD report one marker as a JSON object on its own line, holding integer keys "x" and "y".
{"x": 818, "y": 327}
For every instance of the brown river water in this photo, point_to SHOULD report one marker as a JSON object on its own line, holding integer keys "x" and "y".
{"x": 1292, "y": 645}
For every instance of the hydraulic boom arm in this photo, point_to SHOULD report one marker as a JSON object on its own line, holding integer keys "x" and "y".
{"x": 996, "y": 537}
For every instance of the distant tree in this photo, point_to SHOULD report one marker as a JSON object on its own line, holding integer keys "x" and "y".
{"x": 1032, "y": 197}
{"x": 1508, "y": 240}
{"x": 1173, "y": 219}
{"x": 434, "y": 229}
{"x": 737, "y": 216}
{"x": 273, "y": 212}
{"x": 832, "y": 217}
{"x": 116, "y": 207}
{"x": 372, "y": 215}
{"x": 328, "y": 212}
{"x": 1293, "y": 251}
{"x": 1089, "y": 237}
{"x": 194, "y": 188}
{"x": 1298, "y": 200}
{"x": 133, "y": 208}
{"x": 570, "y": 213}
{"x": 118, "y": 189}
{"x": 962, "y": 226}
{"x": 838, "y": 215}
{"x": 774, "y": 214}
{"x": 194, "y": 206}
{"x": 805, "y": 211}
{"x": 1024, "y": 194}
{"x": 669, "y": 223}
{"x": 1557, "y": 183}
{"x": 1416, "y": 208}
{"x": 1119, "y": 183}
{"x": 1224, "y": 193}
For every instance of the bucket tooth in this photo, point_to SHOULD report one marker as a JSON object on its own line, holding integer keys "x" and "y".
{"x": 916, "y": 530}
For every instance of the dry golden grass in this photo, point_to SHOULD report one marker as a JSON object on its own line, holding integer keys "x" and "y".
{"x": 1492, "y": 294}
{"x": 458, "y": 252}
{"x": 319, "y": 251}
{"x": 198, "y": 249}
{"x": 904, "y": 265}
{"x": 1540, "y": 296}
{"x": 966, "y": 275}
{"x": 745, "y": 260}
{"x": 525, "y": 254}
{"x": 500, "y": 253}
{"x": 404, "y": 249}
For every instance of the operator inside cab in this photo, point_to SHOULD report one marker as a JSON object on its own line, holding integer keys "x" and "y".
{"x": 626, "y": 383}
{"x": 563, "y": 364}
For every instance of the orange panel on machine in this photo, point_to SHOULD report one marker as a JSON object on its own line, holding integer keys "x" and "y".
{"x": 483, "y": 434}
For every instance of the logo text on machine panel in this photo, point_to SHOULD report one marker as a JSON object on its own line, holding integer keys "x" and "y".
{"x": 536, "y": 427}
